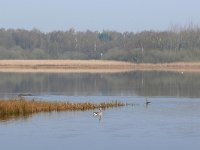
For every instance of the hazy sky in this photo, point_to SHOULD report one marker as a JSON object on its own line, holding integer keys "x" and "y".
{"x": 119, "y": 15}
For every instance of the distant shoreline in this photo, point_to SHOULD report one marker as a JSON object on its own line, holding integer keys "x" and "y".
{"x": 92, "y": 66}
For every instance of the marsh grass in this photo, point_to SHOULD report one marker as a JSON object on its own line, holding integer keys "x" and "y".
{"x": 93, "y": 66}
{"x": 22, "y": 107}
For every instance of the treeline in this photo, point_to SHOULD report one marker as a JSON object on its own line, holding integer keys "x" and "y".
{"x": 176, "y": 44}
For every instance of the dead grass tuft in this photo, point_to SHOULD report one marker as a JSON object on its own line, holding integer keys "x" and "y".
{"x": 22, "y": 107}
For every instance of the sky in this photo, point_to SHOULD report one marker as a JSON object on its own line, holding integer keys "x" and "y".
{"x": 98, "y": 15}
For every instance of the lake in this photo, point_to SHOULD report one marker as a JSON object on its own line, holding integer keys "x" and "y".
{"x": 170, "y": 121}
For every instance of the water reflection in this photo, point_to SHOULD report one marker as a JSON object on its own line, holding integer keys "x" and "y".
{"x": 119, "y": 84}
{"x": 5, "y": 118}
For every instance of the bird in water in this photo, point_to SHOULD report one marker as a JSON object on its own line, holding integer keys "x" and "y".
{"x": 147, "y": 102}
{"x": 98, "y": 113}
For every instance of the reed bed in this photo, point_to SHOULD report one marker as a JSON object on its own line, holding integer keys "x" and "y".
{"x": 92, "y": 66}
{"x": 22, "y": 107}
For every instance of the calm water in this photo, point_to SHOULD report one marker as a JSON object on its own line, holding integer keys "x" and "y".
{"x": 171, "y": 121}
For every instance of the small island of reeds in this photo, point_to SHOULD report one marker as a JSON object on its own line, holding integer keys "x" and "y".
{"x": 22, "y": 107}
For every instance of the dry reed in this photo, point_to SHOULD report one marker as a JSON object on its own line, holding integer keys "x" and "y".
{"x": 91, "y": 66}
{"x": 22, "y": 107}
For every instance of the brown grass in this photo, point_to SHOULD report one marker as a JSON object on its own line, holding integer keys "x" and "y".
{"x": 22, "y": 107}
{"x": 91, "y": 66}
{"x": 63, "y": 66}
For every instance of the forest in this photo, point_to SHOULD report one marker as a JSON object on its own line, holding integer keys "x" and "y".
{"x": 173, "y": 45}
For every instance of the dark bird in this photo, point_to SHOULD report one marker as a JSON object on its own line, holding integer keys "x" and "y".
{"x": 147, "y": 102}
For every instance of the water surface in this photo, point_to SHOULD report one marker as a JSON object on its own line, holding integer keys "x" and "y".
{"x": 171, "y": 121}
{"x": 169, "y": 84}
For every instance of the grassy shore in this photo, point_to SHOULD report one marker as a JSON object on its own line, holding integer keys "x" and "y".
{"x": 63, "y": 66}
{"x": 91, "y": 66}
{"x": 22, "y": 107}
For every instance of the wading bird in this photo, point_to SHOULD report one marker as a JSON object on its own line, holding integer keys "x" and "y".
{"x": 98, "y": 113}
{"x": 147, "y": 102}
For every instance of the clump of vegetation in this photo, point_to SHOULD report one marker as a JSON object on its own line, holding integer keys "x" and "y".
{"x": 22, "y": 107}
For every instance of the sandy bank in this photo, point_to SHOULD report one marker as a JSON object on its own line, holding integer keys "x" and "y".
{"x": 90, "y": 66}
